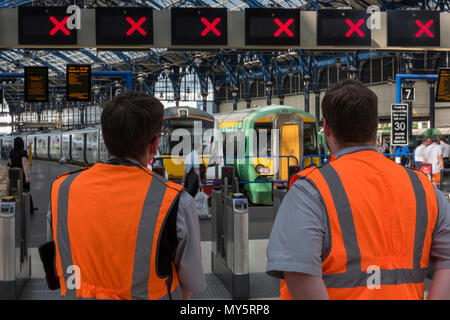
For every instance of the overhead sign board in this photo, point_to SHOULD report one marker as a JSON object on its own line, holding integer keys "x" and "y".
{"x": 36, "y": 84}
{"x": 124, "y": 26}
{"x": 45, "y": 26}
{"x": 343, "y": 28}
{"x": 413, "y": 28}
{"x": 399, "y": 124}
{"x": 443, "y": 86}
{"x": 275, "y": 27}
{"x": 199, "y": 26}
{"x": 78, "y": 82}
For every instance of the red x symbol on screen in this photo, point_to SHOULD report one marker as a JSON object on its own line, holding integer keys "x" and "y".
{"x": 59, "y": 26}
{"x": 210, "y": 27}
{"x": 284, "y": 27}
{"x": 136, "y": 26}
{"x": 424, "y": 28}
{"x": 354, "y": 28}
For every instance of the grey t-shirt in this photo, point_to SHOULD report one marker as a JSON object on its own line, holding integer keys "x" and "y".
{"x": 188, "y": 260}
{"x": 300, "y": 239}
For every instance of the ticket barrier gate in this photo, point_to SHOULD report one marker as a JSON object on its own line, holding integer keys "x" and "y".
{"x": 230, "y": 245}
{"x": 15, "y": 261}
{"x": 281, "y": 191}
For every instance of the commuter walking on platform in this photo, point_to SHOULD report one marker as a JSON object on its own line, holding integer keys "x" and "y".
{"x": 360, "y": 226}
{"x": 419, "y": 152}
{"x": 18, "y": 159}
{"x": 120, "y": 230}
{"x": 433, "y": 155}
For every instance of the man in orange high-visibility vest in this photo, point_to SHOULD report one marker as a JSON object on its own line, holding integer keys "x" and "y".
{"x": 360, "y": 226}
{"x": 120, "y": 230}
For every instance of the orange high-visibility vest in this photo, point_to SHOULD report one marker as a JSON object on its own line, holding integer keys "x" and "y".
{"x": 381, "y": 216}
{"x": 107, "y": 221}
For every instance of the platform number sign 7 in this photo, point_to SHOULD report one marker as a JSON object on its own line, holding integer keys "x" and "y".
{"x": 408, "y": 94}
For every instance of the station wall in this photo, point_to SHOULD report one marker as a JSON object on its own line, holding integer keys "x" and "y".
{"x": 385, "y": 93}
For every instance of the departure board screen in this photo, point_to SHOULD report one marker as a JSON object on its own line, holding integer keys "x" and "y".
{"x": 343, "y": 28}
{"x": 78, "y": 82}
{"x": 45, "y": 26}
{"x": 124, "y": 26}
{"x": 413, "y": 28}
{"x": 199, "y": 26}
{"x": 36, "y": 84}
{"x": 443, "y": 86}
{"x": 274, "y": 27}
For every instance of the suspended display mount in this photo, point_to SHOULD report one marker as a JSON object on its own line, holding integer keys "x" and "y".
{"x": 217, "y": 28}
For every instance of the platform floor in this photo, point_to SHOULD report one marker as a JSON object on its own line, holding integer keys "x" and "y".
{"x": 260, "y": 224}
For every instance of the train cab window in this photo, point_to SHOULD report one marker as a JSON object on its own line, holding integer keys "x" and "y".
{"x": 263, "y": 147}
{"x": 309, "y": 139}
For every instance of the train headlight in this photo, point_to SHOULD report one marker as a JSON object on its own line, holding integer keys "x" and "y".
{"x": 260, "y": 168}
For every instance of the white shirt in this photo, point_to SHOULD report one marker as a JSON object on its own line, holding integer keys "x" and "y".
{"x": 191, "y": 160}
{"x": 445, "y": 150}
{"x": 431, "y": 153}
{"x": 419, "y": 153}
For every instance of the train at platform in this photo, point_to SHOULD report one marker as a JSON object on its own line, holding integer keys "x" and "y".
{"x": 259, "y": 165}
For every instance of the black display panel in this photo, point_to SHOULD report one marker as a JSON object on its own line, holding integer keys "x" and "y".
{"x": 36, "y": 84}
{"x": 199, "y": 26}
{"x": 413, "y": 28}
{"x": 78, "y": 82}
{"x": 124, "y": 26}
{"x": 443, "y": 86}
{"x": 273, "y": 27}
{"x": 343, "y": 28}
{"x": 45, "y": 26}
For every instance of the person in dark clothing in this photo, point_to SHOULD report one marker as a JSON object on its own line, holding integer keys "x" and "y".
{"x": 18, "y": 159}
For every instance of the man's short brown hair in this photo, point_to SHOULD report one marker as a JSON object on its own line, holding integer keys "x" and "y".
{"x": 351, "y": 111}
{"x": 130, "y": 122}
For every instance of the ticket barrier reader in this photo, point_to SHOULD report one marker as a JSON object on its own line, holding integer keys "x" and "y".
{"x": 230, "y": 244}
{"x": 15, "y": 261}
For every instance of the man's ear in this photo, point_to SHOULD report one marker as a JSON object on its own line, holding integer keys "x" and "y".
{"x": 153, "y": 147}
{"x": 326, "y": 128}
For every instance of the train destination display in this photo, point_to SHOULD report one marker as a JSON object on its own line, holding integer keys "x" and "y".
{"x": 272, "y": 26}
{"x": 45, "y": 26}
{"x": 199, "y": 26}
{"x": 443, "y": 86}
{"x": 124, "y": 26}
{"x": 343, "y": 28}
{"x": 36, "y": 84}
{"x": 78, "y": 82}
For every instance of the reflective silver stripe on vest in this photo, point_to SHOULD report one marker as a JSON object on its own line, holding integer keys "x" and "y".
{"x": 363, "y": 279}
{"x": 144, "y": 240}
{"x": 62, "y": 231}
{"x": 421, "y": 217}
{"x": 176, "y": 294}
{"x": 345, "y": 217}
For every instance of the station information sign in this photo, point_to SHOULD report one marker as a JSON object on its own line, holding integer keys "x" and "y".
{"x": 343, "y": 28}
{"x": 275, "y": 27}
{"x": 78, "y": 82}
{"x": 399, "y": 124}
{"x": 36, "y": 84}
{"x": 45, "y": 26}
{"x": 408, "y": 94}
{"x": 124, "y": 26}
{"x": 413, "y": 28}
{"x": 443, "y": 86}
{"x": 199, "y": 26}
